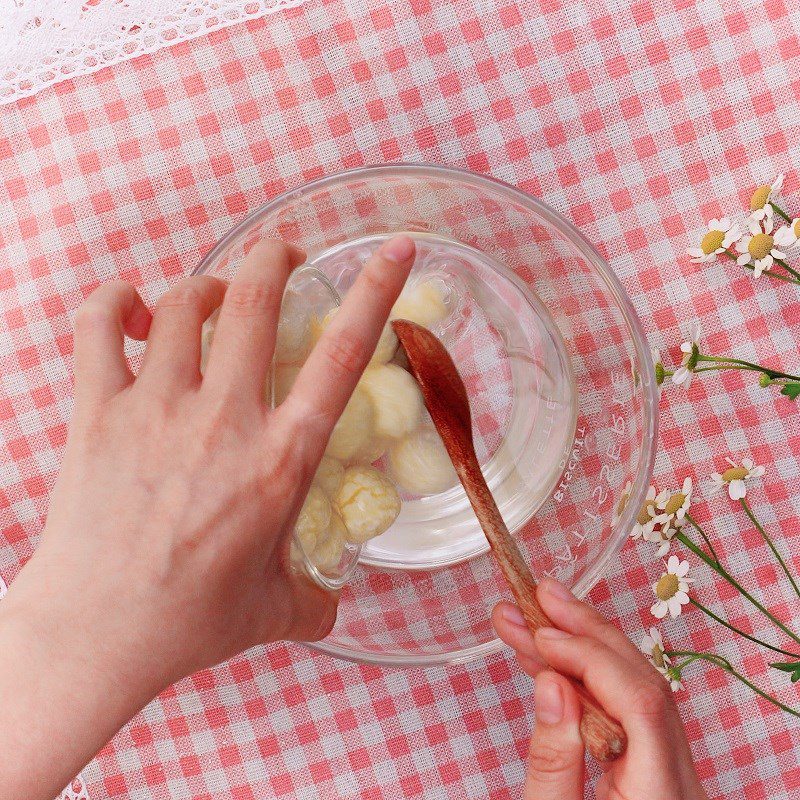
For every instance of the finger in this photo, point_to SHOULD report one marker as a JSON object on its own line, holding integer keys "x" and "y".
{"x": 244, "y": 339}
{"x": 331, "y": 372}
{"x": 510, "y": 626}
{"x": 111, "y": 311}
{"x": 628, "y": 689}
{"x": 173, "y": 346}
{"x": 555, "y": 761}
{"x": 571, "y": 615}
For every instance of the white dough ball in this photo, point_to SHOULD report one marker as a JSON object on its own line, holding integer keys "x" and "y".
{"x": 314, "y": 518}
{"x": 372, "y": 451}
{"x": 367, "y": 502}
{"x": 293, "y": 340}
{"x": 420, "y": 463}
{"x": 384, "y": 350}
{"x": 284, "y": 376}
{"x": 396, "y": 397}
{"x": 354, "y": 428}
{"x": 329, "y": 475}
{"x": 330, "y": 547}
{"x": 423, "y": 304}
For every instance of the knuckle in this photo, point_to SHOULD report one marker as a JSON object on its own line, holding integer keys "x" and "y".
{"x": 187, "y": 294}
{"x": 651, "y": 700}
{"x": 251, "y": 298}
{"x": 346, "y": 353}
{"x": 546, "y": 762}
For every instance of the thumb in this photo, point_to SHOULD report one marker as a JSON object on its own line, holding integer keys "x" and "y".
{"x": 555, "y": 762}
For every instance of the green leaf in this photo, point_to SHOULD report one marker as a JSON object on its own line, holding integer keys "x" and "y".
{"x": 791, "y": 390}
{"x": 792, "y": 667}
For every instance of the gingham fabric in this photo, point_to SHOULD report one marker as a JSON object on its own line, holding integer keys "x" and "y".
{"x": 637, "y": 121}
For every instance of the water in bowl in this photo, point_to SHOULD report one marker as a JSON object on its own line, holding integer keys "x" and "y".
{"x": 518, "y": 376}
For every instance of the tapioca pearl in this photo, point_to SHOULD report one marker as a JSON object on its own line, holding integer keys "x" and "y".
{"x": 329, "y": 475}
{"x": 420, "y": 464}
{"x": 396, "y": 398}
{"x": 313, "y": 519}
{"x": 330, "y": 546}
{"x": 355, "y": 428}
{"x": 367, "y": 502}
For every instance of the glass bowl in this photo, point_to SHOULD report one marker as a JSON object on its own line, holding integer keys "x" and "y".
{"x": 560, "y": 382}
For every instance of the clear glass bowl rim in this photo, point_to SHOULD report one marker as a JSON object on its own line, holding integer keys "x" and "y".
{"x": 644, "y": 469}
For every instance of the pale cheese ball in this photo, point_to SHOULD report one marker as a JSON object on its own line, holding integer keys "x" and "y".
{"x": 330, "y": 546}
{"x": 293, "y": 339}
{"x": 384, "y": 350}
{"x": 284, "y": 376}
{"x": 372, "y": 451}
{"x": 367, "y": 502}
{"x": 355, "y": 427}
{"x": 329, "y": 475}
{"x": 420, "y": 464}
{"x": 396, "y": 397}
{"x": 423, "y": 304}
{"x": 314, "y": 518}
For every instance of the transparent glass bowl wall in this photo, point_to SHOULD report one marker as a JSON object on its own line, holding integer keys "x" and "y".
{"x": 419, "y": 617}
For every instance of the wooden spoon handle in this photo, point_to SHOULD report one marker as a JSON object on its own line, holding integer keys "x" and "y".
{"x": 604, "y": 737}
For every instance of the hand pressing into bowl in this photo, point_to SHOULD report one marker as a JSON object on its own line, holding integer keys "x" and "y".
{"x": 166, "y": 547}
{"x": 657, "y": 762}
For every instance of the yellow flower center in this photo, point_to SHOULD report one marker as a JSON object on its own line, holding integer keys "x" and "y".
{"x": 734, "y": 474}
{"x": 675, "y": 502}
{"x": 658, "y": 656}
{"x": 644, "y": 515}
{"x": 667, "y": 586}
{"x": 759, "y": 197}
{"x": 712, "y": 241}
{"x": 796, "y": 228}
{"x": 760, "y": 246}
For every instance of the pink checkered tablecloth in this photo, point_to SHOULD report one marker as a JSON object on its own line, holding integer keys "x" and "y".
{"x": 637, "y": 121}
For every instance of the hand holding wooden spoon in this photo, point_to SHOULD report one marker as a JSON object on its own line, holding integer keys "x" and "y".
{"x": 448, "y": 405}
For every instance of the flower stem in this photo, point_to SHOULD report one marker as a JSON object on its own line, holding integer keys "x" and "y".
{"x": 773, "y": 274}
{"x": 768, "y": 540}
{"x": 722, "y": 572}
{"x": 781, "y": 212}
{"x": 782, "y": 263}
{"x": 724, "y": 664}
{"x": 695, "y": 524}
{"x": 733, "y": 628}
{"x": 771, "y": 373}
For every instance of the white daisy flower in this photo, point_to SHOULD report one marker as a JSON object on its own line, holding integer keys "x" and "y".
{"x": 786, "y": 238}
{"x": 720, "y": 235}
{"x": 661, "y": 533}
{"x": 647, "y": 514}
{"x": 658, "y": 367}
{"x": 671, "y": 589}
{"x": 690, "y": 349}
{"x": 763, "y": 199}
{"x": 672, "y": 678}
{"x": 760, "y": 250}
{"x": 623, "y": 500}
{"x": 676, "y": 505}
{"x": 736, "y": 476}
{"x": 653, "y": 645}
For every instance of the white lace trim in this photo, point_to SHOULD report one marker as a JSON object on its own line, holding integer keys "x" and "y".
{"x": 43, "y": 42}
{"x": 77, "y": 789}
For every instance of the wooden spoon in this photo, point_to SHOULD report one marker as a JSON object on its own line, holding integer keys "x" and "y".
{"x": 446, "y": 400}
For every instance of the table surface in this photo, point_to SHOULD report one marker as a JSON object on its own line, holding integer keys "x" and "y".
{"x": 637, "y": 121}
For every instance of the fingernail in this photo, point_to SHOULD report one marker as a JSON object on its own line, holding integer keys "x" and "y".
{"x": 558, "y": 590}
{"x": 553, "y": 634}
{"x": 549, "y": 701}
{"x": 513, "y": 615}
{"x": 398, "y": 249}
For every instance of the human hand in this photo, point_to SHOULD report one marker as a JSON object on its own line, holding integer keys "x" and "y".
{"x": 166, "y": 548}
{"x": 584, "y": 645}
